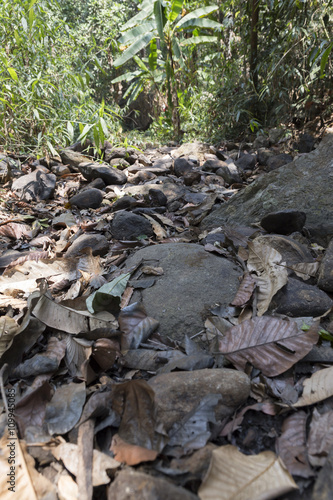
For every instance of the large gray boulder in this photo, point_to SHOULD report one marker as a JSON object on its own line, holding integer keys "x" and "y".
{"x": 304, "y": 184}
{"x": 193, "y": 282}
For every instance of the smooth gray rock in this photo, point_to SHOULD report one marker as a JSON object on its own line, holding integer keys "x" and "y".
{"x": 128, "y": 226}
{"x": 229, "y": 173}
{"x": 110, "y": 175}
{"x": 88, "y": 198}
{"x": 325, "y": 279}
{"x": 178, "y": 393}
{"x": 182, "y": 166}
{"x": 284, "y": 222}
{"x": 171, "y": 190}
{"x": 298, "y": 299}
{"x": 97, "y": 242}
{"x": 278, "y": 161}
{"x": 73, "y": 158}
{"x": 304, "y": 184}
{"x": 212, "y": 165}
{"x": 131, "y": 484}
{"x": 263, "y": 155}
{"x": 246, "y": 162}
{"x": 124, "y": 203}
{"x": 193, "y": 281}
{"x": 36, "y": 186}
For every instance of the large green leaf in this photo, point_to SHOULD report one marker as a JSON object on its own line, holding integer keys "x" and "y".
{"x": 107, "y": 298}
{"x": 132, "y": 34}
{"x": 177, "y": 52}
{"x": 195, "y": 40}
{"x": 324, "y": 59}
{"x": 201, "y": 23}
{"x": 203, "y": 11}
{"x": 85, "y": 131}
{"x": 176, "y": 9}
{"x": 126, "y": 77}
{"x": 133, "y": 49}
{"x": 138, "y": 88}
{"x": 145, "y": 12}
{"x": 13, "y": 74}
{"x": 140, "y": 63}
{"x": 152, "y": 59}
{"x": 160, "y": 19}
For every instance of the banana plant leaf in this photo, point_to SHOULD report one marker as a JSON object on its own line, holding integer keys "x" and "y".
{"x": 139, "y": 44}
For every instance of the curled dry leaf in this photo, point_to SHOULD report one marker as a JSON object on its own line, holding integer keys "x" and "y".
{"x": 105, "y": 352}
{"x": 234, "y": 476}
{"x": 270, "y": 344}
{"x": 291, "y": 445}
{"x": 270, "y": 276}
{"x": 305, "y": 270}
{"x": 157, "y": 228}
{"x": 135, "y": 325}
{"x": 317, "y": 388}
{"x": 244, "y": 291}
{"x": 130, "y": 454}
{"x": 155, "y": 271}
{"x": 107, "y": 298}
{"x": 68, "y": 453}
{"x": 320, "y": 439}
{"x": 16, "y": 231}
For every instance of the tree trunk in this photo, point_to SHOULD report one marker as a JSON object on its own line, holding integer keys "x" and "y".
{"x": 254, "y": 42}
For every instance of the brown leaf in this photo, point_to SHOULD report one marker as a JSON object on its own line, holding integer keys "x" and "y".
{"x": 244, "y": 291}
{"x": 305, "y": 270}
{"x": 134, "y": 402}
{"x": 320, "y": 439}
{"x": 135, "y": 325}
{"x": 30, "y": 410}
{"x": 130, "y": 454}
{"x": 16, "y": 231}
{"x": 291, "y": 445}
{"x": 272, "y": 345}
{"x": 105, "y": 352}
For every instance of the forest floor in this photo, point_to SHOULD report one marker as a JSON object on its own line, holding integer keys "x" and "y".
{"x": 148, "y": 351}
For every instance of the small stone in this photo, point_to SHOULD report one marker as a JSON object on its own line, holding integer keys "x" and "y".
{"x": 229, "y": 173}
{"x": 192, "y": 177}
{"x": 124, "y": 203}
{"x": 88, "y": 198}
{"x": 36, "y": 186}
{"x": 141, "y": 176}
{"x": 305, "y": 143}
{"x": 157, "y": 197}
{"x": 73, "y": 158}
{"x": 213, "y": 165}
{"x": 220, "y": 154}
{"x": 60, "y": 170}
{"x": 246, "y": 162}
{"x": 130, "y": 484}
{"x": 325, "y": 280}
{"x": 275, "y": 134}
{"x": 260, "y": 142}
{"x": 128, "y": 226}
{"x": 120, "y": 163}
{"x": 278, "y": 161}
{"x": 97, "y": 183}
{"x": 182, "y": 166}
{"x": 263, "y": 156}
{"x": 297, "y": 299}
{"x": 97, "y": 242}
{"x": 178, "y": 393}
{"x": 110, "y": 175}
{"x": 284, "y": 222}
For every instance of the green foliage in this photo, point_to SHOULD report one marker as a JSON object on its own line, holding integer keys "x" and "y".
{"x": 41, "y": 93}
{"x": 161, "y": 26}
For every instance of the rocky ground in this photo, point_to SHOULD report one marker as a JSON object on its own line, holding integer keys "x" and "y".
{"x": 166, "y": 321}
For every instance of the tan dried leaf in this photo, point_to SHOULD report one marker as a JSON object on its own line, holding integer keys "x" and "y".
{"x": 157, "y": 228}
{"x": 305, "y": 270}
{"x": 234, "y": 476}
{"x": 270, "y": 276}
{"x": 317, "y": 388}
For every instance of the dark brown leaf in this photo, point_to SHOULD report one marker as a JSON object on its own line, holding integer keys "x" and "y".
{"x": 135, "y": 325}
{"x": 30, "y": 410}
{"x": 105, "y": 352}
{"x": 270, "y": 344}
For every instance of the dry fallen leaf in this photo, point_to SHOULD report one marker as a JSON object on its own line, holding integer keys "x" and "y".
{"x": 130, "y": 454}
{"x": 270, "y": 276}
{"x": 270, "y": 344}
{"x": 234, "y": 476}
{"x": 305, "y": 270}
{"x": 291, "y": 445}
{"x": 317, "y": 388}
{"x": 244, "y": 291}
{"x": 320, "y": 439}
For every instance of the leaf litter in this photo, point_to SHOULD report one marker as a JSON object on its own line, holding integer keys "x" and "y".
{"x": 80, "y": 356}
